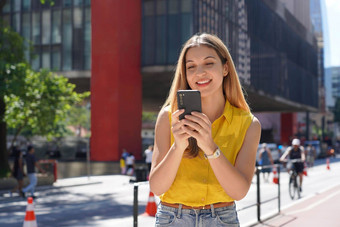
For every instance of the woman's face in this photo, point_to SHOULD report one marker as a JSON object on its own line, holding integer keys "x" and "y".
{"x": 204, "y": 70}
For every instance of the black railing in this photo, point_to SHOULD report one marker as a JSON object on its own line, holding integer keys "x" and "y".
{"x": 258, "y": 193}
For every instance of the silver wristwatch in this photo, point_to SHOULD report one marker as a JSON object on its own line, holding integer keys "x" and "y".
{"x": 216, "y": 154}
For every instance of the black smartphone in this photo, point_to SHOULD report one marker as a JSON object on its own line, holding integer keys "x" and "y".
{"x": 189, "y": 100}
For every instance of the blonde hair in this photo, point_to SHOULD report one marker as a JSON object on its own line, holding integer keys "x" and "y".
{"x": 232, "y": 88}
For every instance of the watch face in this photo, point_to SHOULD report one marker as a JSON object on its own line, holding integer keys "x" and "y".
{"x": 216, "y": 154}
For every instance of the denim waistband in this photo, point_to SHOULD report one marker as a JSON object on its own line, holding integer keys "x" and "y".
{"x": 180, "y": 211}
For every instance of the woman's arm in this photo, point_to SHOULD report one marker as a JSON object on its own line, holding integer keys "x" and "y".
{"x": 283, "y": 157}
{"x": 236, "y": 180}
{"x": 166, "y": 158}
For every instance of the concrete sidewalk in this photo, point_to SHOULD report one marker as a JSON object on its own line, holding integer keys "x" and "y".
{"x": 319, "y": 210}
{"x": 79, "y": 202}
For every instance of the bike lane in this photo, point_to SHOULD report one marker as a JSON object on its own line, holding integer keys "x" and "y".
{"x": 320, "y": 210}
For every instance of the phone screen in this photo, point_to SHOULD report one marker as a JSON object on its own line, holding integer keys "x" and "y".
{"x": 189, "y": 100}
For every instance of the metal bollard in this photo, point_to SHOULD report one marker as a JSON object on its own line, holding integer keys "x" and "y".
{"x": 258, "y": 195}
{"x": 135, "y": 205}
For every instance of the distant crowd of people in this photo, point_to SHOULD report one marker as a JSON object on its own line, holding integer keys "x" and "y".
{"x": 127, "y": 161}
{"x": 307, "y": 155}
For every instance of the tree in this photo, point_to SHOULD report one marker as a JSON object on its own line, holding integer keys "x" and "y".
{"x": 42, "y": 105}
{"x": 79, "y": 117}
{"x": 11, "y": 52}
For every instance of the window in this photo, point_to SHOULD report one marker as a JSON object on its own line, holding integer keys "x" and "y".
{"x": 26, "y": 32}
{"x": 87, "y": 2}
{"x": 36, "y": 28}
{"x": 161, "y": 32}
{"x": 87, "y": 48}
{"x": 77, "y": 2}
{"x": 7, "y": 7}
{"x": 67, "y": 40}
{"x": 56, "y": 56}
{"x": 17, "y": 5}
{"x": 46, "y": 58}
{"x": 16, "y": 22}
{"x": 35, "y": 61}
{"x": 46, "y": 27}
{"x": 56, "y": 27}
{"x": 186, "y": 6}
{"x": 148, "y": 8}
{"x": 26, "y": 5}
{"x": 67, "y": 3}
{"x": 77, "y": 17}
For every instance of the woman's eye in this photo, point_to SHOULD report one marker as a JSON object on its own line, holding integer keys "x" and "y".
{"x": 210, "y": 63}
{"x": 190, "y": 67}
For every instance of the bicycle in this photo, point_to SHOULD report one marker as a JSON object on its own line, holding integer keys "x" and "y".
{"x": 294, "y": 183}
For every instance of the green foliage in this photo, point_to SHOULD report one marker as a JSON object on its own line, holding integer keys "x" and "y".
{"x": 79, "y": 115}
{"x": 42, "y": 104}
{"x": 49, "y": 1}
{"x": 149, "y": 116}
{"x": 11, "y": 52}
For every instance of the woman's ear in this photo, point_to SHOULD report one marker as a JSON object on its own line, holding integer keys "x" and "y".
{"x": 225, "y": 69}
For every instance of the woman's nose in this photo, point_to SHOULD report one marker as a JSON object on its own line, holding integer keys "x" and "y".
{"x": 200, "y": 70}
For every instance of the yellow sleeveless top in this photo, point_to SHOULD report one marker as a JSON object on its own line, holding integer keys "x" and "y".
{"x": 195, "y": 183}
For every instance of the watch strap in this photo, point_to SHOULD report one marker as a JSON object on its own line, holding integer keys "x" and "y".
{"x": 214, "y": 155}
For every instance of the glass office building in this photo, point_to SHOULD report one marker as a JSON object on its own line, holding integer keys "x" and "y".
{"x": 274, "y": 54}
{"x": 60, "y": 34}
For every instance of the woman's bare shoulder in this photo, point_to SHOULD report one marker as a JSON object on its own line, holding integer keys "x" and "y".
{"x": 255, "y": 124}
{"x": 163, "y": 120}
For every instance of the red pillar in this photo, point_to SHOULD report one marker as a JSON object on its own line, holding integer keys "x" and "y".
{"x": 116, "y": 92}
{"x": 288, "y": 126}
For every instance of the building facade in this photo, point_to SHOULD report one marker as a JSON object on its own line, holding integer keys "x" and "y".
{"x": 271, "y": 42}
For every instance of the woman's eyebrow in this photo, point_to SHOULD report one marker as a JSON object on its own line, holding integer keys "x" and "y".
{"x": 209, "y": 57}
{"x": 203, "y": 59}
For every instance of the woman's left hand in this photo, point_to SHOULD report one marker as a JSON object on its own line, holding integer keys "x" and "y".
{"x": 199, "y": 127}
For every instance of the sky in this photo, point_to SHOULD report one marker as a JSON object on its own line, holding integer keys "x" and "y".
{"x": 331, "y": 28}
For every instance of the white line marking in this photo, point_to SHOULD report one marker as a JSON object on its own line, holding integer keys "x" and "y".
{"x": 315, "y": 204}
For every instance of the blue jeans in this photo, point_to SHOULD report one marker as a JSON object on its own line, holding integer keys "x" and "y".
{"x": 214, "y": 217}
{"x": 33, "y": 182}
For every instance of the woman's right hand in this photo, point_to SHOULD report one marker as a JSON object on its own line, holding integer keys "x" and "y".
{"x": 180, "y": 136}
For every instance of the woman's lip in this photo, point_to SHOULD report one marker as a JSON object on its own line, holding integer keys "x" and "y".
{"x": 203, "y": 82}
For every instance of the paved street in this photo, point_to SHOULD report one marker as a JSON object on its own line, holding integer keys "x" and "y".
{"x": 108, "y": 200}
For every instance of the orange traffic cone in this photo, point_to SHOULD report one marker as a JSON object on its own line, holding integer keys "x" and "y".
{"x": 305, "y": 170}
{"x": 275, "y": 178}
{"x": 151, "y": 207}
{"x": 327, "y": 161}
{"x": 30, "y": 220}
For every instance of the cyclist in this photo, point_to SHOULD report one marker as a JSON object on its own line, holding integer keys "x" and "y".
{"x": 295, "y": 152}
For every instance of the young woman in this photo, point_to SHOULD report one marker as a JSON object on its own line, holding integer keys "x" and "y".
{"x": 198, "y": 183}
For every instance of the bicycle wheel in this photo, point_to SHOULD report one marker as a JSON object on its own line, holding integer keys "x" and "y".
{"x": 291, "y": 188}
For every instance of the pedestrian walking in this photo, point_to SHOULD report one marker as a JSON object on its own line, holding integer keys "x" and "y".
{"x": 31, "y": 164}
{"x": 18, "y": 170}
{"x": 199, "y": 182}
{"x": 130, "y": 164}
{"x": 265, "y": 160}
{"x": 148, "y": 156}
{"x": 310, "y": 155}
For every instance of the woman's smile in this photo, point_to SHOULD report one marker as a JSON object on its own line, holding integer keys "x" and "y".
{"x": 203, "y": 82}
